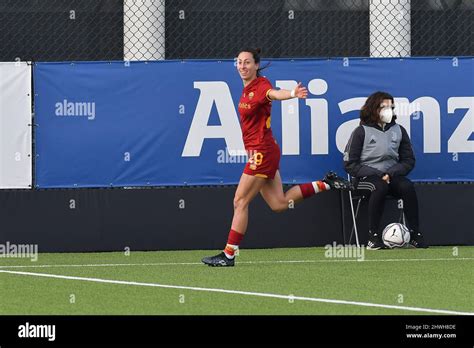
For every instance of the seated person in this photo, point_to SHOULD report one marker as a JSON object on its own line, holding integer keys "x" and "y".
{"x": 379, "y": 155}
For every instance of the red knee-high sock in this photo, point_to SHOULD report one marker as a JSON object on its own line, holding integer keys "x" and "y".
{"x": 233, "y": 243}
{"x": 312, "y": 188}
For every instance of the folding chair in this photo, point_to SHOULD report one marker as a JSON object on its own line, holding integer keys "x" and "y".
{"x": 359, "y": 199}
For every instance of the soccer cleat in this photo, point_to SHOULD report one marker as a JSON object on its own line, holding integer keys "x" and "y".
{"x": 337, "y": 182}
{"x": 219, "y": 260}
{"x": 374, "y": 242}
{"x": 417, "y": 240}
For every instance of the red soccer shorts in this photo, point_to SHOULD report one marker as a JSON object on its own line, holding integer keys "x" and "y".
{"x": 264, "y": 161}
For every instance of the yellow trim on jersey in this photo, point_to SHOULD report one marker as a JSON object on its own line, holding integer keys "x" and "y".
{"x": 262, "y": 175}
{"x": 266, "y": 95}
{"x": 269, "y": 122}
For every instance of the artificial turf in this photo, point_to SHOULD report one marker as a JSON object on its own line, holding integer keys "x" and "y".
{"x": 435, "y": 278}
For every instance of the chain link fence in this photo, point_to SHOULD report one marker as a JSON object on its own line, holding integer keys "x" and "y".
{"x": 55, "y": 30}
{"x": 280, "y": 28}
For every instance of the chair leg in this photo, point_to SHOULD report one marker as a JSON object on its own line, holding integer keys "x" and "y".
{"x": 355, "y": 226}
{"x": 402, "y": 213}
{"x": 354, "y": 215}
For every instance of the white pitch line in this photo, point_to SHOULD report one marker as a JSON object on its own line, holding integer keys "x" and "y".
{"x": 240, "y": 262}
{"x": 238, "y": 292}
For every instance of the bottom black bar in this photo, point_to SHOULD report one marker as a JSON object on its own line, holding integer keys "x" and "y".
{"x": 229, "y": 330}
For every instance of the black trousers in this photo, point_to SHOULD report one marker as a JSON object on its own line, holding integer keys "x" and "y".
{"x": 377, "y": 189}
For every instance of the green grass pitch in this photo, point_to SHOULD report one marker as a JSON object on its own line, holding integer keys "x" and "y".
{"x": 266, "y": 281}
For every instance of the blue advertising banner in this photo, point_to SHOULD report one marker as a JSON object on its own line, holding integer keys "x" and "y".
{"x": 175, "y": 122}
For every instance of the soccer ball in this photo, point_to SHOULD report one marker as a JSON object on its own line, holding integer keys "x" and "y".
{"x": 395, "y": 235}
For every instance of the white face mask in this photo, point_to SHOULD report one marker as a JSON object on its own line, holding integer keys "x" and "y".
{"x": 386, "y": 115}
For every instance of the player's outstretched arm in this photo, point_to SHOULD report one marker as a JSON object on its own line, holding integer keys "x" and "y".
{"x": 284, "y": 94}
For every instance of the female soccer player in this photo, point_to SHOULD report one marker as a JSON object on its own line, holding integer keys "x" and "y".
{"x": 379, "y": 155}
{"x": 261, "y": 172}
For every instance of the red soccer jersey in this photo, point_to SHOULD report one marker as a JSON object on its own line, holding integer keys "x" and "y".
{"x": 255, "y": 114}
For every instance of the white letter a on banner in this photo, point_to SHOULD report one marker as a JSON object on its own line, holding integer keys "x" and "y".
{"x": 219, "y": 93}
